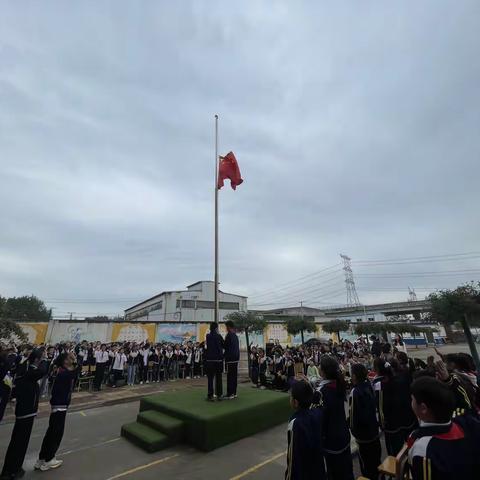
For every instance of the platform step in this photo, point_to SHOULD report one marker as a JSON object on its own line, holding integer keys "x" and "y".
{"x": 145, "y": 437}
{"x": 170, "y": 426}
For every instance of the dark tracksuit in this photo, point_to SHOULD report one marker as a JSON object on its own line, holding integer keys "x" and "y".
{"x": 336, "y": 436}
{"x": 394, "y": 409}
{"x": 60, "y": 400}
{"x": 214, "y": 363}
{"x": 232, "y": 357}
{"x": 364, "y": 427}
{"x": 443, "y": 452}
{"x": 304, "y": 453}
{"x": 27, "y": 393}
{"x": 465, "y": 392}
{"x": 5, "y": 389}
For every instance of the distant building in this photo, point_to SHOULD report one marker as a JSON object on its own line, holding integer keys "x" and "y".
{"x": 195, "y": 304}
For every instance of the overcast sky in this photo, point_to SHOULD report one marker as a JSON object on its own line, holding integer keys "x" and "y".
{"x": 356, "y": 127}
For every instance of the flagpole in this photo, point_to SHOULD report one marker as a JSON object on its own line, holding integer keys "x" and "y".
{"x": 216, "y": 221}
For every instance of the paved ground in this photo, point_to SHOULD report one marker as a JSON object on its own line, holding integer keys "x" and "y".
{"x": 93, "y": 450}
{"x": 423, "y": 353}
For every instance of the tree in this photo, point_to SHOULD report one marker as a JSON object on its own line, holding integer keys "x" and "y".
{"x": 25, "y": 308}
{"x": 9, "y": 329}
{"x": 460, "y": 305}
{"x": 336, "y": 326}
{"x": 296, "y": 325}
{"x": 247, "y": 322}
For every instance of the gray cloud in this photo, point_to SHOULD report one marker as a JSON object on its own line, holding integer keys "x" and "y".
{"x": 355, "y": 125}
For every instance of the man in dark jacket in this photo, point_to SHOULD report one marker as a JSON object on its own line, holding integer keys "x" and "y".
{"x": 232, "y": 357}
{"x": 214, "y": 362}
{"x": 28, "y": 393}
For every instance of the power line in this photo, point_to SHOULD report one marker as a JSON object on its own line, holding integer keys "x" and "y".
{"x": 303, "y": 279}
{"x": 425, "y": 259}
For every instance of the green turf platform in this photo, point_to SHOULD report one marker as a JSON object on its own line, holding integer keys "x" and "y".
{"x": 145, "y": 437}
{"x": 206, "y": 425}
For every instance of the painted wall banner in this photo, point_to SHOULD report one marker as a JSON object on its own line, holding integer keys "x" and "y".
{"x": 276, "y": 331}
{"x": 133, "y": 332}
{"x": 176, "y": 332}
{"x": 36, "y": 332}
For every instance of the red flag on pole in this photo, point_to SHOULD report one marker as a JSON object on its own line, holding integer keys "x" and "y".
{"x": 229, "y": 169}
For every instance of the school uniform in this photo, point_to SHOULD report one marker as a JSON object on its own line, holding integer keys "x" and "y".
{"x": 119, "y": 362}
{"x": 188, "y": 363}
{"x": 394, "y": 410}
{"x": 169, "y": 361}
{"x": 101, "y": 362}
{"x": 60, "y": 400}
{"x": 304, "y": 452}
{"x": 262, "y": 370}
{"x": 364, "y": 427}
{"x": 466, "y": 392}
{"x": 254, "y": 367}
{"x": 445, "y": 451}
{"x": 214, "y": 363}
{"x": 27, "y": 394}
{"x": 232, "y": 357}
{"x": 336, "y": 436}
{"x": 6, "y": 382}
{"x": 132, "y": 364}
{"x": 197, "y": 362}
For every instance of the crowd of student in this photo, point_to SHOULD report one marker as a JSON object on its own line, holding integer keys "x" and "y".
{"x": 429, "y": 409}
{"x": 29, "y": 372}
{"x": 134, "y": 363}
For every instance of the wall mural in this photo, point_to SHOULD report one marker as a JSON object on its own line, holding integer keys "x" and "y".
{"x": 133, "y": 332}
{"x": 176, "y": 332}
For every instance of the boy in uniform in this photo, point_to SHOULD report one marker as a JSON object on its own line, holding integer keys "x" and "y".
{"x": 442, "y": 449}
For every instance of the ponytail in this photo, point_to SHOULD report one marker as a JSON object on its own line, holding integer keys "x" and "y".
{"x": 331, "y": 371}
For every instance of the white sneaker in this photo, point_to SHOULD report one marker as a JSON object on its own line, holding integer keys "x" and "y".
{"x": 53, "y": 463}
{"x": 141, "y": 383}
{"x": 38, "y": 464}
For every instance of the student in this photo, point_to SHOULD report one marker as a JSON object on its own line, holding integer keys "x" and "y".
{"x": 119, "y": 361}
{"x": 336, "y": 435}
{"x": 5, "y": 380}
{"x": 27, "y": 393}
{"x": 304, "y": 436}
{"x": 132, "y": 363}
{"x": 188, "y": 362}
{"x": 457, "y": 374}
{"x": 232, "y": 357}
{"x": 214, "y": 361}
{"x": 262, "y": 368}
{"x": 143, "y": 363}
{"x": 101, "y": 361}
{"x": 60, "y": 400}
{"x": 312, "y": 371}
{"x": 396, "y": 417}
{"x": 197, "y": 361}
{"x": 254, "y": 365}
{"x": 441, "y": 449}
{"x": 363, "y": 422}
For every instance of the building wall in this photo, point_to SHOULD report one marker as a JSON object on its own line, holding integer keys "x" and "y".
{"x": 192, "y": 305}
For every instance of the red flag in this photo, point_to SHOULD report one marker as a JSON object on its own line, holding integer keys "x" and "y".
{"x": 229, "y": 169}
